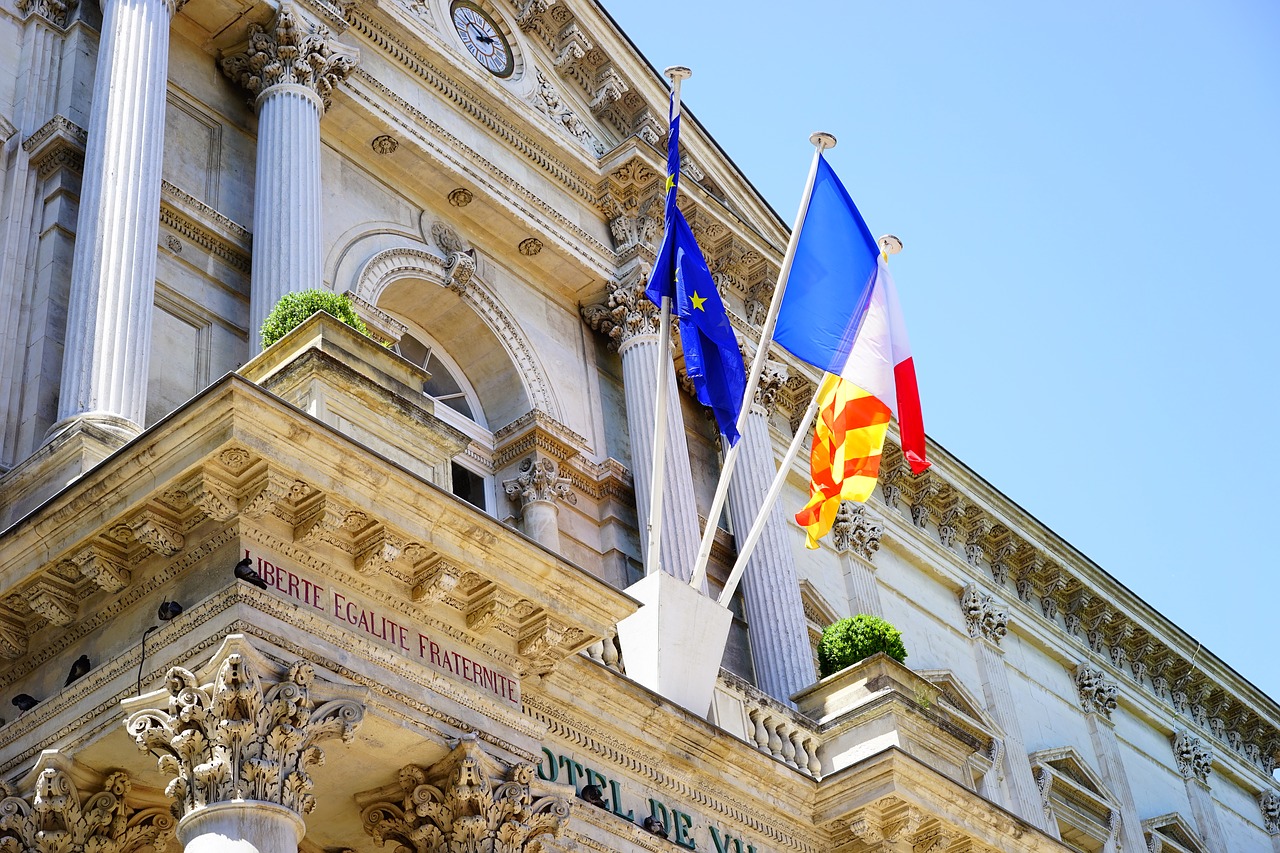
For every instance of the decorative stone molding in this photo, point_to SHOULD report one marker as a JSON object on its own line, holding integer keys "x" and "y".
{"x": 530, "y": 246}
{"x": 1269, "y": 802}
{"x": 384, "y": 144}
{"x": 548, "y": 100}
{"x": 539, "y": 480}
{"x": 1193, "y": 757}
{"x": 856, "y": 530}
{"x": 982, "y": 615}
{"x": 287, "y": 54}
{"x": 56, "y": 12}
{"x": 461, "y": 197}
{"x": 1098, "y": 693}
{"x": 627, "y": 313}
{"x": 106, "y": 567}
{"x": 59, "y": 818}
{"x": 468, "y": 803}
{"x": 237, "y": 739}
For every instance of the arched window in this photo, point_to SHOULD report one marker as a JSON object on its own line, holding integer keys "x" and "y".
{"x": 448, "y": 384}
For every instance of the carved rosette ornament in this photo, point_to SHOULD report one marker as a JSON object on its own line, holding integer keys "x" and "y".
{"x": 983, "y": 617}
{"x": 1193, "y": 757}
{"x": 1269, "y": 802}
{"x": 285, "y": 54}
{"x": 56, "y": 819}
{"x": 236, "y": 740}
{"x": 539, "y": 480}
{"x": 1098, "y": 694}
{"x": 468, "y": 803}
{"x": 626, "y": 315}
{"x": 856, "y": 530}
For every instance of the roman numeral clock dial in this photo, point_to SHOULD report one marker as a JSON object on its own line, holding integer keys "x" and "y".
{"x": 483, "y": 38}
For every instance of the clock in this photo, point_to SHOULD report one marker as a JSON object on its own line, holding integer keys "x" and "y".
{"x": 482, "y": 37}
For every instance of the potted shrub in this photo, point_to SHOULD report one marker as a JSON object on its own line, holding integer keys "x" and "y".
{"x": 848, "y": 641}
{"x": 295, "y": 307}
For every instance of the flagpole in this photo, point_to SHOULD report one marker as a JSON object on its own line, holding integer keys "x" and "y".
{"x": 890, "y": 245}
{"x": 675, "y": 73}
{"x": 821, "y": 142}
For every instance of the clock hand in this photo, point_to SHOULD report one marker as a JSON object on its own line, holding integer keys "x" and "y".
{"x": 480, "y": 36}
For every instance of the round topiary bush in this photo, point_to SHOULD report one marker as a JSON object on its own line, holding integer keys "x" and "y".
{"x": 848, "y": 641}
{"x": 293, "y": 308}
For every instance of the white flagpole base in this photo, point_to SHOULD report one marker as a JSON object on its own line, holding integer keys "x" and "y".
{"x": 673, "y": 644}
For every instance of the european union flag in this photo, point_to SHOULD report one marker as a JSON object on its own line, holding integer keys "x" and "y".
{"x": 711, "y": 355}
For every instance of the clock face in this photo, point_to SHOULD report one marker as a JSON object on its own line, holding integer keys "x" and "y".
{"x": 482, "y": 37}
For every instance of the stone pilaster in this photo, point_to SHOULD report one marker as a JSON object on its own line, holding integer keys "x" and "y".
{"x": 538, "y": 490}
{"x": 467, "y": 801}
{"x": 987, "y": 623}
{"x": 21, "y": 210}
{"x": 238, "y": 751}
{"x": 1194, "y": 760}
{"x": 106, "y": 356}
{"x": 1098, "y": 699}
{"x": 855, "y": 535}
{"x": 771, "y": 585}
{"x": 292, "y": 70}
{"x": 631, "y": 322}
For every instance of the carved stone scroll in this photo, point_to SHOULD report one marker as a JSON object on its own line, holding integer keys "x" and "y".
{"x": 236, "y": 739}
{"x": 982, "y": 615}
{"x": 468, "y": 803}
{"x": 1097, "y": 692}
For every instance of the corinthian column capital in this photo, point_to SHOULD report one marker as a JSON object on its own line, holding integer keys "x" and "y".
{"x": 539, "y": 480}
{"x": 288, "y": 52}
{"x": 626, "y": 314}
{"x": 240, "y": 739}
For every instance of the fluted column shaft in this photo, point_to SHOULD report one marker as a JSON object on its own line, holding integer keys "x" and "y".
{"x": 20, "y": 216}
{"x": 1111, "y": 766}
{"x": 286, "y": 201}
{"x": 1024, "y": 795}
{"x": 771, "y": 586}
{"x": 108, "y": 346}
{"x": 292, "y": 67}
{"x": 640, "y": 365}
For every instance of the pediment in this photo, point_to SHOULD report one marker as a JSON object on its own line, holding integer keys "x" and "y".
{"x": 953, "y": 693}
{"x": 1067, "y": 763}
{"x": 1172, "y": 833}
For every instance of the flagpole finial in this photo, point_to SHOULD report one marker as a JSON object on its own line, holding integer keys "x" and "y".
{"x": 822, "y": 141}
{"x": 678, "y": 72}
{"x": 890, "y": 244}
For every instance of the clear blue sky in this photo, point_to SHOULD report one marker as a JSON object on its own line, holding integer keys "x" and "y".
{"x": 1087, "y": 194}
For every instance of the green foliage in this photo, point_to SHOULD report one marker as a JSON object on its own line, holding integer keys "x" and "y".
{"x": 850, "y": 640}
{"x": 293, "y": 308}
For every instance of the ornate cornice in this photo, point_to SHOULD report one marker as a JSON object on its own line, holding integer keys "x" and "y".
{"x": 238, "y": 739}
{"x": 60, "y": 817}
{"x": 205, "y": 227}
{"x": 1097, "y": 692}
{"x": 287, "y": 54}
{"x": 983, "y": 616}
{"x": 468, "y": 803}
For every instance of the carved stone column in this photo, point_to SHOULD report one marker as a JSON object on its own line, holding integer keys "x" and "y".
{"x": 238, "y": 753}
{"x": 21, "y": 209}
{"x": 60, "y": 816}
{"x": 1194, "y": 760}
{"x": 988, "y": 624}
{"x": 113, "y": 273}
{"x": 771, "y": 586}
{"x": 292, "y": 69}
{"x": 1098, "y": 700}
{"x": 538, "y": 490}
{"x": 631, "y": 321}
{"x": 855, "y": 535}
{"x": 467, "y": 801}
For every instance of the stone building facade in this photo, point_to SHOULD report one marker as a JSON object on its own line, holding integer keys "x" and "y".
{"x": 435, "y": 527}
